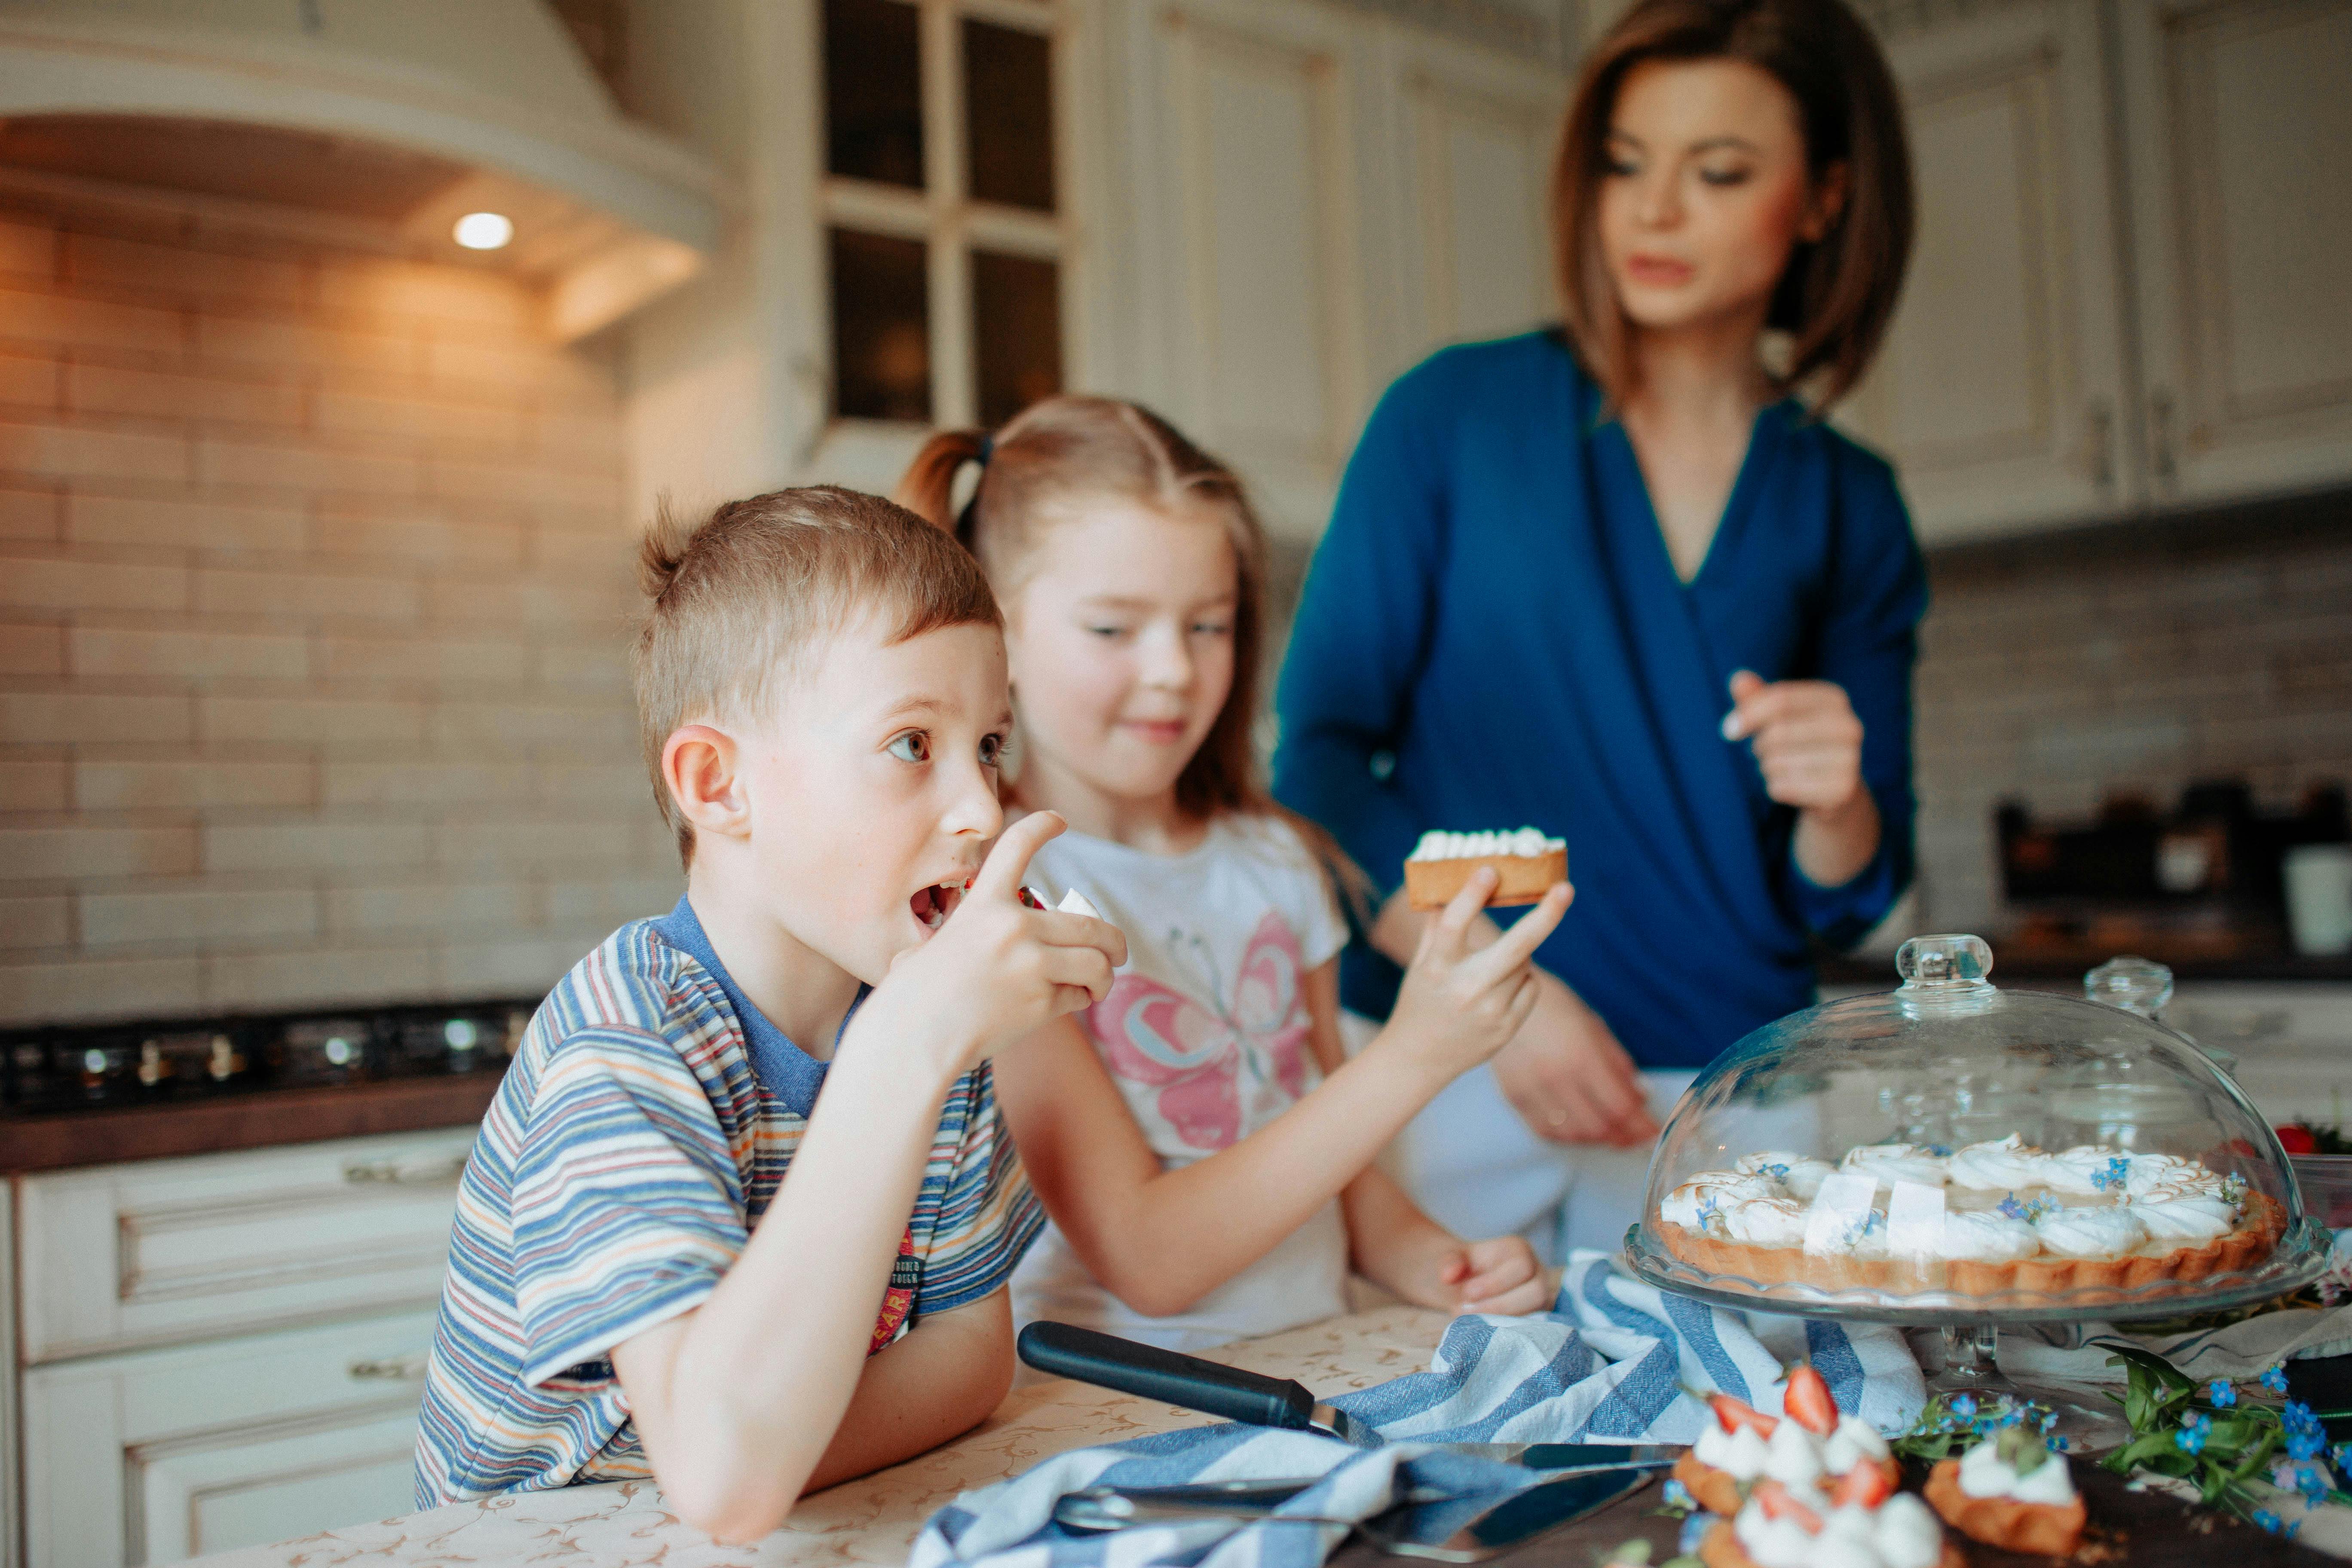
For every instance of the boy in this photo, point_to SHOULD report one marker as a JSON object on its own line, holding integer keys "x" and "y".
{"x": 637, "y": 1286}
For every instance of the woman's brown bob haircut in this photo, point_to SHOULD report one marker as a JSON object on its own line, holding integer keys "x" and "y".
{"x": 741, "y": 598}
{"x": 1836, "y": 296}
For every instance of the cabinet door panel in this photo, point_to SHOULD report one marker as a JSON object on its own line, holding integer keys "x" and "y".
{"x": 2239, "y": 121}
{"x": 1996, "y": 391}
{"x": 160, "y": 1454}
{"x": 1479, "y": 173}
{"x": 176, "y": 1249}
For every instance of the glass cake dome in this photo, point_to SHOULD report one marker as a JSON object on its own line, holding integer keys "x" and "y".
{"x": 1952, "y": 1153}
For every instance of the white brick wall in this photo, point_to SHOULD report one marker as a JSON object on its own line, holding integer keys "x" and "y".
{"x": 313, "y": 613}
{"x": 2138, "y": 660}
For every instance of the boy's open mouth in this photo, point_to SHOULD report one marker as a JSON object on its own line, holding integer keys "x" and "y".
{"x": 934, "y": 904}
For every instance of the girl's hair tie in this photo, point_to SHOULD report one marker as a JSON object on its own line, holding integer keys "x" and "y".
{"x": 987, "y": 449}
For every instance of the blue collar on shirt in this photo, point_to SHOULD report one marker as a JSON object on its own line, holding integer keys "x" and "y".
{"x": 784, "y": 1069}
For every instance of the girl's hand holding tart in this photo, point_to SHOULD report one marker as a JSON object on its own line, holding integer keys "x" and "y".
{"x": 2012, "y": 1492}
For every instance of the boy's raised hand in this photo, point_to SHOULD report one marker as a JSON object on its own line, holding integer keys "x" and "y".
{"x": 1461, "y": 1002}
{"x": 996, "y": 970}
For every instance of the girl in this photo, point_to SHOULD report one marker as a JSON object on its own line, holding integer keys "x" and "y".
{"x": 1703, "y": 596}
{"x": 1199, "y": 1191}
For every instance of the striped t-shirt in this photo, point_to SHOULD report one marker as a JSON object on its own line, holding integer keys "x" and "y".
{"x": 642, "y": 1130}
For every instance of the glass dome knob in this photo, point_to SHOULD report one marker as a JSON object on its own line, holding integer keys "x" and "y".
{"x": 2132, "y": 984}
{"x": 1935, "y": 961}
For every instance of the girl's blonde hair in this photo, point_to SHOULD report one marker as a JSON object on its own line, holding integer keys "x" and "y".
{"x": 1044, "y": 469}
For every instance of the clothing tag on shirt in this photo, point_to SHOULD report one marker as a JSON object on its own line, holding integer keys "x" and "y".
{"x": 1841, "y": 1210}
{"x": 1915, "y": 1220}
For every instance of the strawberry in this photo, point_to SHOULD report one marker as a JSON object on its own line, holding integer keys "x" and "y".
{"x": 1808, "y": 1401}
{"x": 1735, "y": 1415}
{"x": 1781, "y": 1503}
{"x": 1864, "y": 1487}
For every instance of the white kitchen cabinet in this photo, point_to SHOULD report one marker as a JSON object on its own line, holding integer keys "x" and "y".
{"x": 161, "y": 1455}
{"x": 163, "y": 1251}
{"x": 2001, "y": 392}
{"x": 2242, "y": 217}
{"x": 1245, "y": 127}
{"x": 1471, "y": 132}
{"x": 12, "y": 1509}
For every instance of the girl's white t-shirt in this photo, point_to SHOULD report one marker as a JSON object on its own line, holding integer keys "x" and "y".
{"x": 1207, "y": 1034}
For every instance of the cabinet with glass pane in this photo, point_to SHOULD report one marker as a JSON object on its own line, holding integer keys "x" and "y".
{"x": 945, "y": 237}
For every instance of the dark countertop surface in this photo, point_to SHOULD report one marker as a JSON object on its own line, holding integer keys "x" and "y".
{"x": 259, "y": 1119}
{"x": 1844, "y": 969}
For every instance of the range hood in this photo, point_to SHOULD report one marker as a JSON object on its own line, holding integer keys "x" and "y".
{"x": 495, "y": 92}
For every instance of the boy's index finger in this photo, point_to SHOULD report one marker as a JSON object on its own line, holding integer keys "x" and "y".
{"x": 1008, "y": 860}
{"x": 1063, "y": 928}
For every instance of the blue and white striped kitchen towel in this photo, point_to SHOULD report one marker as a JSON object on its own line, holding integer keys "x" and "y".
{"x": 1609, "y": 1362}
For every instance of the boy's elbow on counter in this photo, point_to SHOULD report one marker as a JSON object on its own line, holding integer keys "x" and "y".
{"x": 734, "y": 1508}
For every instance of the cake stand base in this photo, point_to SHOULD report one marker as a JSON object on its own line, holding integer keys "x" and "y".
{"x": 1970, "y": 1369}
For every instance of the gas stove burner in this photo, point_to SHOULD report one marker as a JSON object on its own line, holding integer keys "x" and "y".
{"x": 66, "y": 1069}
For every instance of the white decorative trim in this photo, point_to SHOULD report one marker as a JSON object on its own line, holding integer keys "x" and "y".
{"x": 1513, "y": 29}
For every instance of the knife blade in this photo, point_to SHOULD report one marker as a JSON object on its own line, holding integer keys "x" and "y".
{"x": 1434, "y": 1527}
{"x": 1149, "y": 1372}
{"x": 1438, "y": 1533}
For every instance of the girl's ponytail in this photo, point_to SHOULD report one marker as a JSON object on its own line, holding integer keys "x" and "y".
{"x": 927, "y": 489}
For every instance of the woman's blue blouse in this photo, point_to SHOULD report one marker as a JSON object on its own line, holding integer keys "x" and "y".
{"x": 1493, "y": 634}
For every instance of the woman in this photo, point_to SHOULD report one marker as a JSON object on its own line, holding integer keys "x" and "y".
{"x": 1618, "y": 582}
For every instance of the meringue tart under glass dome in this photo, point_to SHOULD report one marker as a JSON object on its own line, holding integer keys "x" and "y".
{"x": 1954, "y": 1153}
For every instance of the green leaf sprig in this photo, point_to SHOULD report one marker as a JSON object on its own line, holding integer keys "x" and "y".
{"x": 2224, "y": 1439}
{"x": 1955, "y": 1423}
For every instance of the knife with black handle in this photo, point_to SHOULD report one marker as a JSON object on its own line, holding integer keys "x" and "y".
{"x": 1149, "y": 1372}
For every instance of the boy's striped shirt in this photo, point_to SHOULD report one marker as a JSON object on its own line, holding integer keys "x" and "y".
{"x": 643, "y": 1128}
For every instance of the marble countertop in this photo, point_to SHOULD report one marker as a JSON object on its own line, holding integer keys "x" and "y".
{"x": 873, "y": 1520}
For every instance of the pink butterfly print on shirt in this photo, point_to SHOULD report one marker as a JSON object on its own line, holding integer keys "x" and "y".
{"x": 1152, "y": 1035}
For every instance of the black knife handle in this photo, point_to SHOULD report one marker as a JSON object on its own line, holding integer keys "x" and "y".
{"x": 1149, "y": 1372}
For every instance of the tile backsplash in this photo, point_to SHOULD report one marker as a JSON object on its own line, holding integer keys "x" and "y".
{"x": 2135, "y": 657}
{"x": 313, "y": 619}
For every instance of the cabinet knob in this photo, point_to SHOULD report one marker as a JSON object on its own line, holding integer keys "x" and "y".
{"x": 2160, "y": 460}
{"x": 406, "y": 1173}
{"x": 388, "y": 1369}
{"x": 2099, "y": 441}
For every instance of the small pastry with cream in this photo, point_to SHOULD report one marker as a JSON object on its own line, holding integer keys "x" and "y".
{"x": 1527, "y": 865}
{"x": 2011, "y": 1493}
{"x": 1854, "y": 1526}
{"x": 1810, "y": 1447}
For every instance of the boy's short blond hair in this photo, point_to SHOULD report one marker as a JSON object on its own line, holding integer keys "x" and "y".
{"x": 741, "y": 597}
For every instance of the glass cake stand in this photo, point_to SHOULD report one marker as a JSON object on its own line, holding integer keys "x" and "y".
{"x": 1949, "y": 1060}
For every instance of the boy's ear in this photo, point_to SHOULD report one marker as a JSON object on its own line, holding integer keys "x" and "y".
{"x": 698, "y": 767}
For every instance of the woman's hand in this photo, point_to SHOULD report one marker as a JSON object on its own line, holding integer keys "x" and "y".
{"x": 1808, "y": 745}
{"x": 1569, "y": 1079}
{"x": 1465, "y": 997}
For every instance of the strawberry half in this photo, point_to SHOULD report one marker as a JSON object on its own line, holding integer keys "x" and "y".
{"x": 1809, "y": 1403}
{"x": 1781, "y": 1503}
{"x": 1735, "y": 1415}
{"x": 1864, "y": 1486}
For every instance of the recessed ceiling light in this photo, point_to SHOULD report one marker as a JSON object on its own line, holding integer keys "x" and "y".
{"x": 483, "y": 231}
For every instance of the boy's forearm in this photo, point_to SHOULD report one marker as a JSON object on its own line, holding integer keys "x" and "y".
{"x": 940, "y": 1381}
{"x": 739, "y": 1408}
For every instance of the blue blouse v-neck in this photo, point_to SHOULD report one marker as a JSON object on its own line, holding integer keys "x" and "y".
{"x": 1494, "y": 633}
